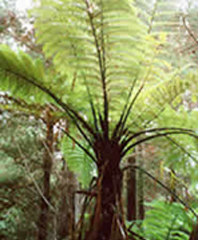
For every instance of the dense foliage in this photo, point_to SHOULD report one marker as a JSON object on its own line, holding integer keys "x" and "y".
{"x": 104, "y": 89}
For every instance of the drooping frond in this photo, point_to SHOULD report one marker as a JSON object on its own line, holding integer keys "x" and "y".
{"x": 155, "y": 133}
{"x": 19, "y": 106}
{"x": 20, "y": 74}
{"x": 26, "y": 77}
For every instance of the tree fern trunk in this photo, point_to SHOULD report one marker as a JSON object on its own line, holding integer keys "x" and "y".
{"x": 110, "y": 209}
{"x": 47, "y": 166}
{"x": 107, "y": 222}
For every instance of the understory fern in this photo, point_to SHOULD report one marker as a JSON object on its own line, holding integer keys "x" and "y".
{"x": 165, "y": 221}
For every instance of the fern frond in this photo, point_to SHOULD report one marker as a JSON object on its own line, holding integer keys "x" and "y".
{"x": 155, "y": 99}
{"x": 102, "y": 40}
{"x": 175, "y": 221}
{"x": 78, "y": 161}
{"x": 23, "y": 80}
{"x": 20, "y": 74}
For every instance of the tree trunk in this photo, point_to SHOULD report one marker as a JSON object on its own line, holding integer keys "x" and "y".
{"x": 66, "y": 217}
{"x": 47, "y": 166}
{"x": 141, "y": 211}
{"x": 173, "y": 186}
{"x": 107, "y": 222}
{"x": 131, "y": 191}
{"x": 141, "y": 197}
{"x": 194, "y": 233}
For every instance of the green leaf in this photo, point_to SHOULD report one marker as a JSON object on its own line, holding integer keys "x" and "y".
{"x": 78, "y": 161}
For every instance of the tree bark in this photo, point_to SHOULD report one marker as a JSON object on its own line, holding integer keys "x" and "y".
{"x": 47, "y": 166}
{"x": 66, "y": 218}
{"x": 173, "y": 186}
{"x": 141, "y": 211}
{"x": 194, "y": 233}
{"x": 131, "y": 191}
{"x": 107, "y": 222}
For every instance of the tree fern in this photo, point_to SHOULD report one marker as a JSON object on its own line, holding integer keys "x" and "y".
{"x": 108, "y": 48}
{"x": 105, "y": 50}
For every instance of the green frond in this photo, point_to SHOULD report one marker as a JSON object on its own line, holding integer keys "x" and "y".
{"x": 78, "y": 161}
{"x": 175, "y": 220}
{"x": 109, "y": 44}
{"x": 20, "y": 74}
{"x": 154, "y": 99}
{"x": 19, "y": 107}
{"x": 102, "y": 40}
{"x": 160, "y": 16}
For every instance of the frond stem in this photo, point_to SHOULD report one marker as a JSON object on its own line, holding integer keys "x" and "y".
{"x": 163, "y": 186}
{"x": 71, "y": 113}
{"x": 80, "y": 145}
{"x": 152, "y": 130}
{"x": 156, "y": 136}
{"x": 124, "y": 110}
{"x": 102, "y": 72}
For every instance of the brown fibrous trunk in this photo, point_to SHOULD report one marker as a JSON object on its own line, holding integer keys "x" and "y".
{"x": 107, "y": 222}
